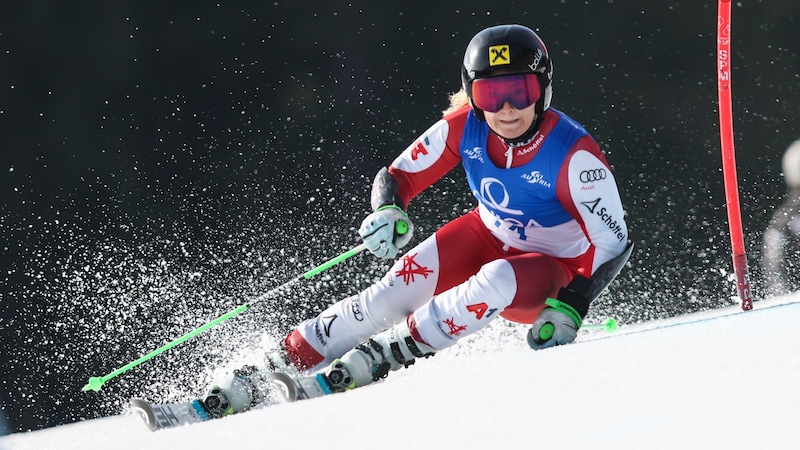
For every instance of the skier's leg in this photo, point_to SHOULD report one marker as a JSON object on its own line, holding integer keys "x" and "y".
{"x": 454, "y": 253}
{"x": 408, "y": 284}
{"x": 318, "y": 341}
{"x": 517, "y": 286}
{"x": 411, "y": 282}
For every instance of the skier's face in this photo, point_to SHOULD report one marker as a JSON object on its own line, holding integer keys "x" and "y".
{"x": 510, "y": 122}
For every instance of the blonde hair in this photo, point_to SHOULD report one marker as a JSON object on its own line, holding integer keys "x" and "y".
{"x": 457, "y": 100}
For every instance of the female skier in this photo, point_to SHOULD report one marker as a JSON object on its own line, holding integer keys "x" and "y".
{"x": 548, "y": 215}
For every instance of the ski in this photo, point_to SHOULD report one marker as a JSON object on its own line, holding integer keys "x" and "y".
{"x": 287, "y": 389}
{"x": 159, "y": 416}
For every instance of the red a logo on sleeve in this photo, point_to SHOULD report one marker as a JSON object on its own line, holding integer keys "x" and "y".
{"x": 480, "y": 309}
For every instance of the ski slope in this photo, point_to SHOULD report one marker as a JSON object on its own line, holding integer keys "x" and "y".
{"x": 724, "y": 379}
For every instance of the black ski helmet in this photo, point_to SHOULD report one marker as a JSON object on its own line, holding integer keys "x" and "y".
{"x": 503, "y": 50}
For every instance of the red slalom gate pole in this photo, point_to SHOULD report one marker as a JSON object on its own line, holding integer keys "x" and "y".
{"x": 728, "y": 154}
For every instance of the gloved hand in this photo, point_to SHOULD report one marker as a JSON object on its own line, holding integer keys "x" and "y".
{"x": 386, "y": 230}
{"x": 559, "y": 323}
{"x": 552, "y": 328}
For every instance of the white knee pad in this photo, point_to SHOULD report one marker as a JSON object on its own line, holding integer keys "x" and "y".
{"x": 468, "y": 307}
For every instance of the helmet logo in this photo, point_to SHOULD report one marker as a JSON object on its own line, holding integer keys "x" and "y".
{"x": 537, "y": 58}
{"x": 498, "y": 55}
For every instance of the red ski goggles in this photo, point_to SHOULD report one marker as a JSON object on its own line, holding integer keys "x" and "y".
{"x": 521, "y": 91}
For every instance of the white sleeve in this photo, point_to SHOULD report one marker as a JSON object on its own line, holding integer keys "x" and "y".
{"x": 596, "y": 198}
{"x": 425, "y": 150}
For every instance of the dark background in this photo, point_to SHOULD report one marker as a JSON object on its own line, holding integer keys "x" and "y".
{"x": 164, "y": 162}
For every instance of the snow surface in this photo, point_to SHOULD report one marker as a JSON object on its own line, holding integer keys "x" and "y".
{"x": 723, "y": 379}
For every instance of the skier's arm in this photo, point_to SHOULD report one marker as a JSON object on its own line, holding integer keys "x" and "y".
{"x": 427, "y": 159}
{"x": 433, "y": 154}
{"x": 385, "y": 191}
{"x": 587, "y": 188}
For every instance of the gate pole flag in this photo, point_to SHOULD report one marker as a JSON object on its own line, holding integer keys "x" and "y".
{"x": 728, "y": 154}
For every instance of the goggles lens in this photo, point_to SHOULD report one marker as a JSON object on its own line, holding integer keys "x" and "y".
{"x": 521, "y": 91}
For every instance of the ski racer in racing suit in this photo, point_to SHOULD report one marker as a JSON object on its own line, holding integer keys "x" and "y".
{"x": 548, "y": 215}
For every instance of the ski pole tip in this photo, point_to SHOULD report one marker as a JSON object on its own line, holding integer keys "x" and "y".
{"x": 610, "y": 325}
{"x": 95, "y": 384}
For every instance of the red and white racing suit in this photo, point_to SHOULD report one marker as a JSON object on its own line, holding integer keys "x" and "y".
{"x": 547, "y": 210}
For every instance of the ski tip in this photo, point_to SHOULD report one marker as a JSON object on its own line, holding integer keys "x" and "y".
{"x": 143, "y": 409}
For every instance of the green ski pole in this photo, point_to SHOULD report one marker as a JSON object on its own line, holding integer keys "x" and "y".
{"x": 96, "y": 383}
{"x": 609, "y": 325}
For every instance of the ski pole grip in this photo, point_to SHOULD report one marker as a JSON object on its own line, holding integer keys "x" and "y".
{"x": 401, "y": 227}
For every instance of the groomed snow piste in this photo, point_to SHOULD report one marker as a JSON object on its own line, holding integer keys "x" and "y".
{"x": 723, "y": 379}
